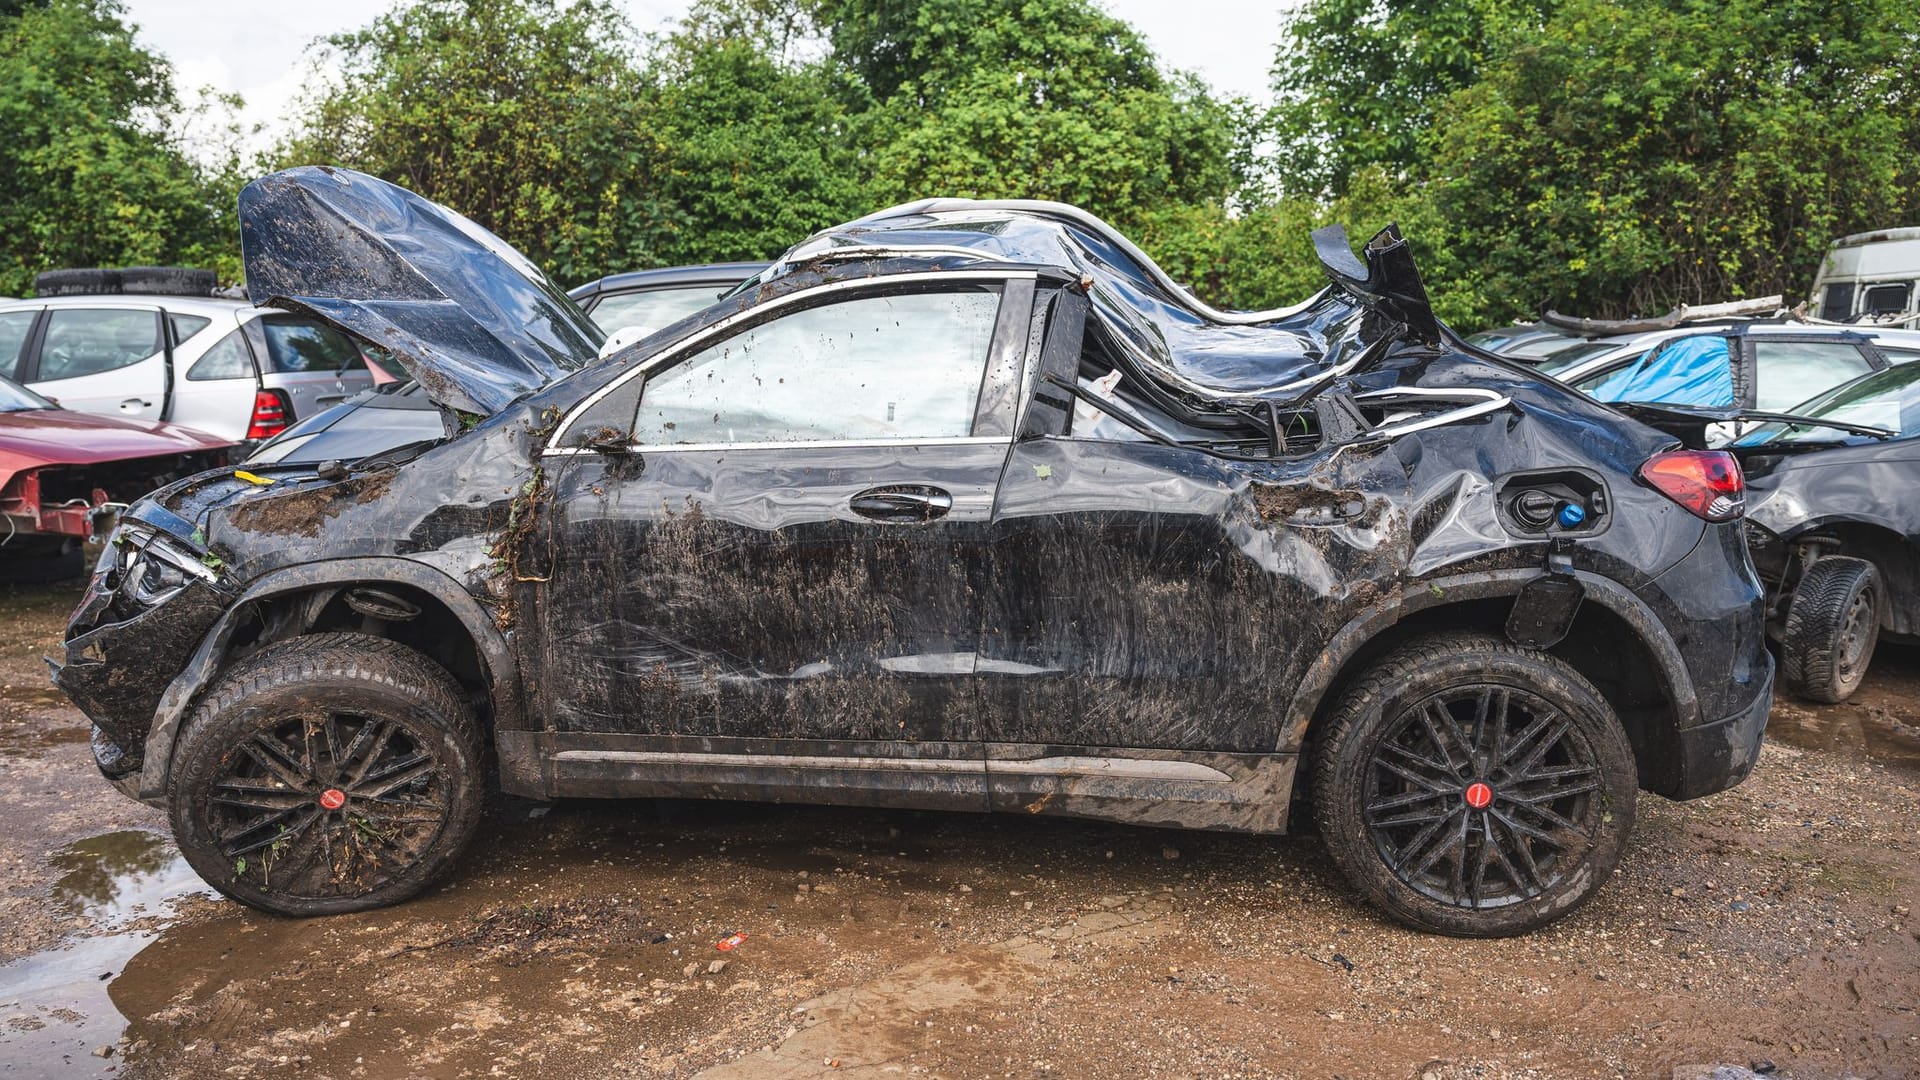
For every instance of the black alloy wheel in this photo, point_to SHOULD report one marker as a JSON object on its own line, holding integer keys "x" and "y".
{"x": 1471, "y": 787}
{"x": 329, "y": 773}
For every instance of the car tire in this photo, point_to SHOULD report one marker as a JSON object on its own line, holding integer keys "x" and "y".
{"x": 327, "y": 774}
{"x": 1472, "y": 788}
{"x": 1833, "y": 624}
{"x": 25, "y": 562}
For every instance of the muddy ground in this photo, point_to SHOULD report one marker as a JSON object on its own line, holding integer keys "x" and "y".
{"x": 1773, "y": 924}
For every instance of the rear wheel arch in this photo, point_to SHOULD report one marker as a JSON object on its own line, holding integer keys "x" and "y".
{"x": 1615, "y": 640}
{"x": 1886, "y": 549}
{"x": 453, "y": 630}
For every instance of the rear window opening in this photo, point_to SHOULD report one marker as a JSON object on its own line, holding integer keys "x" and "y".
{"x": 1109, "y": 400}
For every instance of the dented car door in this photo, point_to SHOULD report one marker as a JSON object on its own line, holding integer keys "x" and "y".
{"x": 781, "y": 549}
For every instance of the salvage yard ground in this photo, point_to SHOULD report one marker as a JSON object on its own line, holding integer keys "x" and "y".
{"x": 1774, "y": 923}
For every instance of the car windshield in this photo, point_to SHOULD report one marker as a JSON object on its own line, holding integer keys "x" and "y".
{"x": 17, "y": 398}
{"x": 1888, "y": 399}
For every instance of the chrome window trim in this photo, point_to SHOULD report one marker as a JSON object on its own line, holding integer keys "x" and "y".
{"x": 679, "y": 349}
{"x": 1479, "y": 403}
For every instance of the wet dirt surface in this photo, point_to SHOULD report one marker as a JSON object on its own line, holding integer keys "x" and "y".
{"x": 1771, "y": 923}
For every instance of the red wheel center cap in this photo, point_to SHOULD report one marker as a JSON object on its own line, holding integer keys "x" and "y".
{"x": 333, "y": 798}
{"x": 1478, "y": 795}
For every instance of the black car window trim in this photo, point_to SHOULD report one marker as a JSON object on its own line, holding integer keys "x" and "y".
{"x": 765, "y": 311}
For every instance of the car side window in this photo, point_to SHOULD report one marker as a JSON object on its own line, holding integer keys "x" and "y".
{"x": 652, "y": 309}
{"x": 876, "y": 368}
{"x": 1887, "y": 299}
{"x": 1894, "y": 356}
{"x": 1787, "y": 373}
{"x": 185, "y": 326}
{"x": 303, "y": 345}
{"x": 89, "y": 341}
{"x": 14, "y": 328}
{"x": 228, "y": 359}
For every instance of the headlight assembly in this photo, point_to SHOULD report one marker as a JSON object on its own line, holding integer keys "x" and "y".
{"x": 151, "y": 568}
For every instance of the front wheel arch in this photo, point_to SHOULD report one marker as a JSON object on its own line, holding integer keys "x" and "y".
{"x": 497, "y": 670}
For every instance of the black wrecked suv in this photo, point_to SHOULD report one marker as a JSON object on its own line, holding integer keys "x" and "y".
{"x": 965, "y": 506}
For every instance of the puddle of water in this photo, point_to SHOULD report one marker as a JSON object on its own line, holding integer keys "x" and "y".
{"x": 54, "y": 1006}
{"x": 1861, "y": 731}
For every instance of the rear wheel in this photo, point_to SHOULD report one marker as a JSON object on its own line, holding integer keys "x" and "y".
{"x": 1833, "y": 624}
{"x": 1470, "y": 787}
{"x": 326, "y": 774}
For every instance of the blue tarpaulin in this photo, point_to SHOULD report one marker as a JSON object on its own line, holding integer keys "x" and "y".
{"x": 1689, "y": 371}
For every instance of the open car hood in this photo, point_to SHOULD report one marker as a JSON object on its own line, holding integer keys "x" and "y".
{"x": 470, "y": 318}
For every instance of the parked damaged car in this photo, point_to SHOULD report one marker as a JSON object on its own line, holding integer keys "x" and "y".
{"x": 962, "y": 506}
{"x": 1833, "y": 529}
{"x": 63, "y": 474}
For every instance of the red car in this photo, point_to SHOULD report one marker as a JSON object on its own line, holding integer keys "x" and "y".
{"x": 60, "y": 470}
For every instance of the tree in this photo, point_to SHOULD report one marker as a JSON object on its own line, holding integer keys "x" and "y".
{"x": 1357, "y": 82}
{"x": 1049, "y": 99}
{"x": 528, "y": 115}
{"x": 92, "y": 163}
{"x": 757, "y": 148}
{"x": 1636, "y": 154}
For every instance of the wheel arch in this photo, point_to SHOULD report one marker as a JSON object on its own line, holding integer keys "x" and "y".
{"x": 296, "y": 600}
{"x": 1880, "y": 544}
{"x": 1615, "y": 642}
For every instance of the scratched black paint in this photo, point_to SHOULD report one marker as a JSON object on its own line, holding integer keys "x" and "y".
{"x": 720, "y": 622}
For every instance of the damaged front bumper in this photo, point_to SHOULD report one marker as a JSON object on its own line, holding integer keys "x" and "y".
{"x": 150, "y": 603}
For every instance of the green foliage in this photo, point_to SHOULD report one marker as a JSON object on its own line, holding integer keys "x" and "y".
{"x": 1636, "y": 154}
{"x": 757, "y": 151}
{"x": 91, "y": 164}
{"x": 1601, "y": 157}
{"x": 1357, "y": 82}
{"x": 527, "y": 115}
{"x": 1047, "y": 99}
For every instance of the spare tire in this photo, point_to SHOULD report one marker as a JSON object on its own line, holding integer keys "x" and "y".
{"x": 126, "y": 280}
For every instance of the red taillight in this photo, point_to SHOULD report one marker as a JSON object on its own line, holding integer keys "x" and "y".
{"x": 1707, "y": 482}
{"x": 270, "y": 414}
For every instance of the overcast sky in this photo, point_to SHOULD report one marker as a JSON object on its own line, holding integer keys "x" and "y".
{"x": 256, "y": 48}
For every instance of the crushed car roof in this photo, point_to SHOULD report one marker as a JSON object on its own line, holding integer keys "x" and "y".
{"x": 478, "y": 325}
{"x": 1252, "y": 353}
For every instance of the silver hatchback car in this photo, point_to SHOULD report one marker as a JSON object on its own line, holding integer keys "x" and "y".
{"x": 222, "y": 366}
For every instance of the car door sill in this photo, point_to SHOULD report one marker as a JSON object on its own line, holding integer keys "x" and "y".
{"x": 1188, "y": 789}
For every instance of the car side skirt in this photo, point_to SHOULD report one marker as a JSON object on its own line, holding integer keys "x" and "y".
{"x": 1182, "y": 789}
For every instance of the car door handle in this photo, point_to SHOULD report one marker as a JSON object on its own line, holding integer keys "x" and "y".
{"x": 903, "y": 503}
{"x": 325, "y": 400}
{"x": 134, "y": 404}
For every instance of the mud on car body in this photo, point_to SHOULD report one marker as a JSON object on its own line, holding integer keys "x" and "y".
{"x": 961, "y": 506}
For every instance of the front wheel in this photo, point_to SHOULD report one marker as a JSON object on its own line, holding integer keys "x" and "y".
{"x": 1473, "y": 788}
{"x": 327, "y": 774}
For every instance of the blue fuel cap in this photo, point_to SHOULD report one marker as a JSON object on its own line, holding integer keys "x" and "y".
{"x": 1571, "y": 515}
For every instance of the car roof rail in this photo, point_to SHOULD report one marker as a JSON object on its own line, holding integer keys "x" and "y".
{"x": 1757, "y": 309}
{"x": 126, "y": 281}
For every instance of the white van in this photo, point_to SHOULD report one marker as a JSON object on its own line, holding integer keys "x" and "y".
{"x": 1871, "y": 277}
